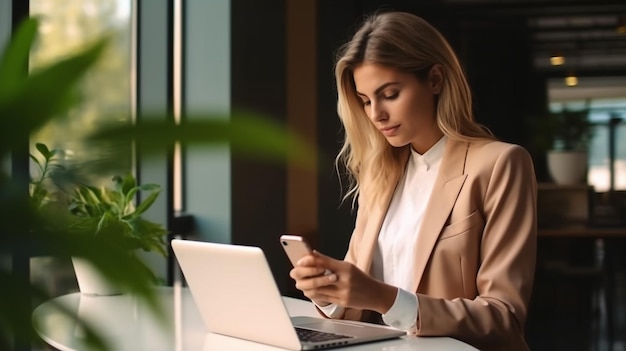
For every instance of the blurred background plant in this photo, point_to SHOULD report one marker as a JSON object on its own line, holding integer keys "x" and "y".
{"x": 40, "y": 193}
{"x": 29, "y": 101}
{"x": 563, "y": 130}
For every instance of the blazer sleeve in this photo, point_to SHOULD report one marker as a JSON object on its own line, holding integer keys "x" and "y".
{"x": 508, "y": 254}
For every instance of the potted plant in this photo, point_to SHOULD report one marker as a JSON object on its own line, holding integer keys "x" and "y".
{"x": 564, "y": 136}
{"x": 111, "y": 213}
{"x": 108, "y": 212}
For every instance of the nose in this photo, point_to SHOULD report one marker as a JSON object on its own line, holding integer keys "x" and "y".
{"x": 377, "y": 112}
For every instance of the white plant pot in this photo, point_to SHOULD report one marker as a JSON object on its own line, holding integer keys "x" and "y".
{"x": 567, "y": 167}
{"x": 91, "y": 281}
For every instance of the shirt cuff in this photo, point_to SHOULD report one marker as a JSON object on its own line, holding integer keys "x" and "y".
{"x": 331, "y": 311}
{"x": 403, "y": 313}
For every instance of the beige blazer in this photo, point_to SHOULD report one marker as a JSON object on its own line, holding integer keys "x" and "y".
{"x": 476, "y": 249}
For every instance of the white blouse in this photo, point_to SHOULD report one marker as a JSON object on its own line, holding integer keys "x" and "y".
{"x": 394, "y": 256}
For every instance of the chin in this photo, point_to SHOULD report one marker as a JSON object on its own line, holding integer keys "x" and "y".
{"x": 397, "y": 143}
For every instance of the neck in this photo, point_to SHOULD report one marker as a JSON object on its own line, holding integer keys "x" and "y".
{"x": 425, "y": 142}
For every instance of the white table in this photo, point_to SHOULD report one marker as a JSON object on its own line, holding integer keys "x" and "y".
{"x": 128, "y": 324}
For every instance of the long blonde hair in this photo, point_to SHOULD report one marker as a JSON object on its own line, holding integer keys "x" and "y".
{"x": 408, "y": 43}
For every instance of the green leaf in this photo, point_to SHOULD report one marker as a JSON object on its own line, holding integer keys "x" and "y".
{"x": 43, "y": 149}
{"x": 128, "y": 184}
{"x": 53, "y": 153}
{"x": 247, "y": 134}
{"x": 92, "y": 195}
{"x": 51, "y": 87}
{"x": 130, "y": 196}
{"x": 14, "y": 63}
{"x": 145, "y": 204}
{"x": 149, "y": 187}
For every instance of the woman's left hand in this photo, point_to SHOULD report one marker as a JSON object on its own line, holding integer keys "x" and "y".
{"x": 352, "y": 287}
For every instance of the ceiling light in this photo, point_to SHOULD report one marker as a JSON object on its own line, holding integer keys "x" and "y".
{"x": 621, "y": 25}
{"x": 557, "y": 59}
{"x": 571, "y": 80}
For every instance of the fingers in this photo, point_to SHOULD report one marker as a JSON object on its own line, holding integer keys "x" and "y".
{"x": 304, "y": 272}
{"x": 327, "y": 262}
{"x": 325, "y": 294}
{"x": 316, "y": 259}
{"x": 315, "y": 282}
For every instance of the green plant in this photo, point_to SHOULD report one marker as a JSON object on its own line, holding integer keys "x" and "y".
{"x": 565, "y": 130}
{"x": 110, "y": 212}
{"x": 573, "y": 130}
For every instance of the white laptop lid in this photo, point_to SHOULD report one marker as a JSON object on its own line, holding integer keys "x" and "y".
{"x": 235, "y": 291}
{"x": 237, "y": 296}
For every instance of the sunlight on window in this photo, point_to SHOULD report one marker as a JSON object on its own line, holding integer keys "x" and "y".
{"x": 66, "y": 26}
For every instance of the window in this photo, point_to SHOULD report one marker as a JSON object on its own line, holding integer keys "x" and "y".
{"x": 67, "y": 26}
{"x": 606, "y": 99}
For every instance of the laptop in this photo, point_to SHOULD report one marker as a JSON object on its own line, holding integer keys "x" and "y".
{"x": 237, "y": 296}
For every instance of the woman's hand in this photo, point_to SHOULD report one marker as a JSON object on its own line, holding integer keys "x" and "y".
{"x": 346, "y": 285}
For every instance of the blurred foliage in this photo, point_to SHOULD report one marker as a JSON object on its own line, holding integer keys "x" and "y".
{"x": 111, "y": 213}
{"x": 30, "y": 226}
{"x": 40, "y": 193}
{"x": 563, "y": 130}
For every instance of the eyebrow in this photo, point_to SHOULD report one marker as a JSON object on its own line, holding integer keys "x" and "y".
{"x": 379, "y": 89}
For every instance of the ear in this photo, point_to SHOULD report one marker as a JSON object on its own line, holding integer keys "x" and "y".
{"x": 435, "y": 78}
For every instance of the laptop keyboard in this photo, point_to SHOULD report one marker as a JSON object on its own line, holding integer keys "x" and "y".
{"x": 316, "y": 336}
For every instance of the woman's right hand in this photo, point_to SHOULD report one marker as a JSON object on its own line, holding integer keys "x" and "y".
{"x": 347, "y": 286}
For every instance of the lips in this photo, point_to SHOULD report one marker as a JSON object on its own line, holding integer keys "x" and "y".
{"x": 389, "y": 131}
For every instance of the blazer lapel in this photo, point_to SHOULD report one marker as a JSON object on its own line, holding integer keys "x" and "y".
{"x": 444, "y": 195}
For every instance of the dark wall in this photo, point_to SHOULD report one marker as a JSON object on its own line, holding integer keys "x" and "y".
{"x": 497, "y": 58}
{"x": 335, "y": 21}
{"x": 507, "y": 91}
{"x": 258, "y": 81}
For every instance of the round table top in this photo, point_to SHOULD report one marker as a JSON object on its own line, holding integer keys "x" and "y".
{"x": 125, "y": 322}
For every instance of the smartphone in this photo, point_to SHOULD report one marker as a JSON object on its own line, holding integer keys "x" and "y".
{"x": 295, "y": 247}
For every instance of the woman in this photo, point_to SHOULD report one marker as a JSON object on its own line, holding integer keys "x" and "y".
{"x": 445, "y": 236}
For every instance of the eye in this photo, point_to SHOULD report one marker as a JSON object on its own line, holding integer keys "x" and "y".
{"x": 392, "y": 96}
{"x": 366, "y": 103}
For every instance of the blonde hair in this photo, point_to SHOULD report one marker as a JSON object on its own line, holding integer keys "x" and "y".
{"x": 408, "y": 43}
